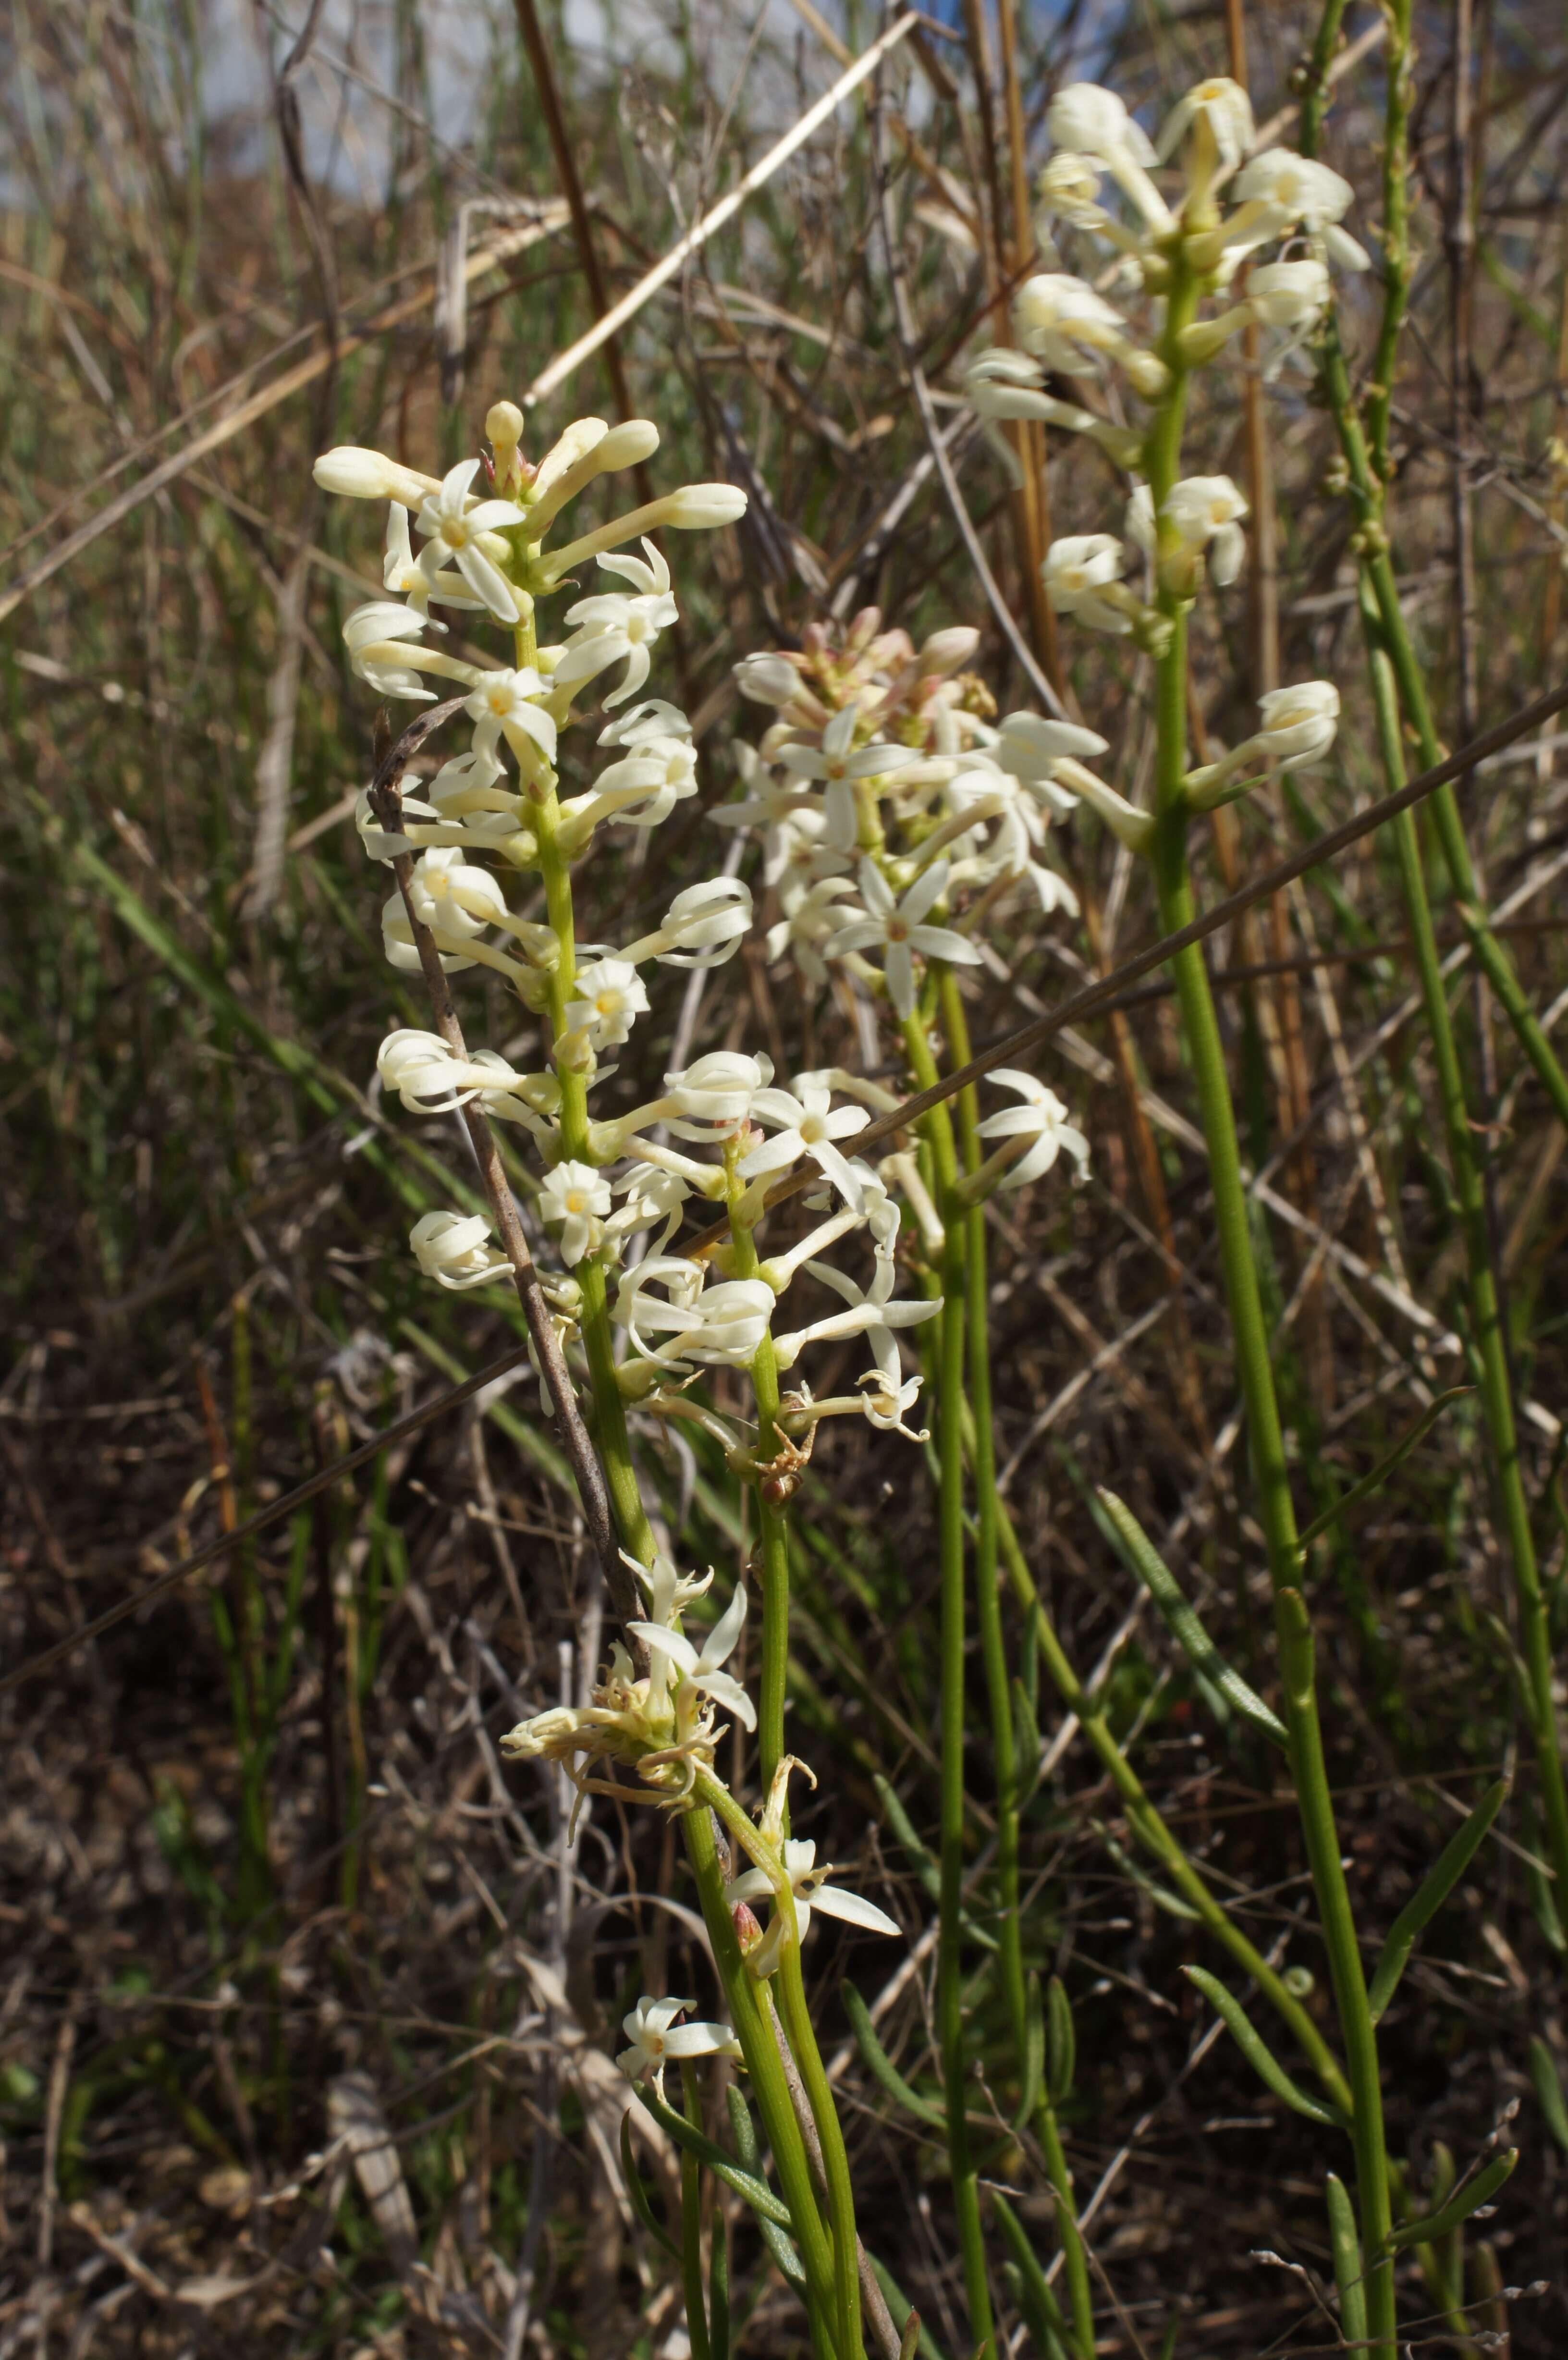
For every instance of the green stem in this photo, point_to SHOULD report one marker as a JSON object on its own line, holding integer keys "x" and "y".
{"x": 1251, "y": 1340}
{"x": 1150, "y": 1828}
{"x": 1485, "y": 1317}
{"x": 802, "y": 2038}
{"x": 1363, "y": 443}
{"x": 771, "y": 2090}
{"x": 691, "y": 2220}
{"x": 979, "y": 1425}
{"x": 938, "y": 1132}
{"x": 774, "y": 1535}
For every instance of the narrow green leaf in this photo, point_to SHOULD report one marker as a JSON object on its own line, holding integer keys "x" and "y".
{"x": 1039, "y": 2303}
{"x": 1160, "y": 1895}
{"x": 635, "y": 2190}
{"x": 1173, "y": 2329}
{"x": 786, "y": 2259}
{"x": 1258, "y": 2055}
{"x": 880, "y": 2066}
{"x": 914, "y": 2335}
{"x": 1061, "y": 2042}
{"x": 1347, "y": 2271}
{"x": 1428, "y": 1900}
{"x": 719, "y": 2294}
{"x": 1470, "y": 2199}
{"x": 1034, "y": 2080}
{"x": 1187, "y": 1630}
{"x": 1385, "y": 1467}
{"x": 1030, "y": 1749}
{"x": 756, "y": 2192}
{"x": 1043, "y": 2335}
{"x": 1549, "y": 2091}
{"x": 1539, "y": 1886}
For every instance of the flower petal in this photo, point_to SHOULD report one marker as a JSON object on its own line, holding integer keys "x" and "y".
{"x": 663, "y": 1641}
{"x": 722, "y": 1639}
{"x": 835, "y": 1902}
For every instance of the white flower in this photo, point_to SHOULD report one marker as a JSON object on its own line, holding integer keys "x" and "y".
{"x": 402, "y": 577}
{"x": 1030, "y": 747}
{"x": 870, "y": 1313}
{"x": 453, "y": 897}
{"x": 1223, "y": 108}
{"x": 811, "y": 916}
{"x": 643, "y": 787}
{"x": 887, "y": 1406}
{"x": 424, "y": 1072}
{"x": 719, "y": 1327}
{"x": 577, "y": 1196}
{"x": 366, "y": 634}
{"x": 1289, "y": 294}
{"x": 700, "y": 1672}
{"x": 767, "y": 679}
{"x": 899, "y": 928}
{"x": 841, "y": 763}
{"x": 650, "y": 1195}
{"x": 503, "y": 705}
{"x": 657, "y": 2041}
{"x": 804, "y": 1122}
{"x": 1207, "y": 510}
{"x": 1297, "y": 188}
{"x": 1063, "y": 322}
{"x": 1094, "y": 120}
{"x": 704, "y": 926}
{"x": 455, "y": 1250}
{"x": 655, "y": 718}
{"x": 811, "y": 1890}
{"x": 1042, "y": 1117}
{"x": 455, "y": 530}
{"x": 1069, "y": 186}
{"x": 1299, "y": 724}
{"x": 715, "y": 1092}
{"x": 612, "y": 624}
{"x": 607, "y": 995}
{"x": 1075, "y": 570}
{"x": 360, "y": 474}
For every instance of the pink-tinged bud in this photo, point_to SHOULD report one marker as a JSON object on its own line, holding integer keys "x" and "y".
{"x": 862, "y": 630}
{"x": 748, "y": 1926}
{"x": 948, "y": 652}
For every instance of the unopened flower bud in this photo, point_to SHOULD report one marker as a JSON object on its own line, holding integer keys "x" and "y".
{"x": 948, "y": 652}
{"x": 697, "y": 508}
{"x": 627, "y": 445}
{"x": 748, "y": 1926}
{"x": 361, "y": 475}
{"x": 767, "y": 679}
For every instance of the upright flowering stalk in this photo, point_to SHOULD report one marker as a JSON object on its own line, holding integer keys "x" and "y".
{"x": 896, "y": 821}
{"x": 1179, "y": 252}
{"x": 612, "y": 1189}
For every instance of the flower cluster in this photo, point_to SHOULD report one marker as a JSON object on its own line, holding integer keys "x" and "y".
{"x": 1170, "y": 255}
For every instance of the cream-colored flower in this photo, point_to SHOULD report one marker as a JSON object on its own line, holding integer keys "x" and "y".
{"x": 657, "y": 2041}
{"x": 456, "y": 526}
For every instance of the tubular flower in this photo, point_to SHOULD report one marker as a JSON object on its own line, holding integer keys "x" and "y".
{"x": 1206, "y": 511}
{"x": 1299, "y": 724}
{"x": 838, "y": 761}
{"x": 367, "y": 634}
{"x": 699, "y": 1673}
{"x": 1041, "y": 1120}
{"x": 657, "y": 2041}
{"x": 1094, "y": 121}
{"x": 804, "y": 1122}
{"x": 453, "y": 1248}
{"x": 1065, "y": 324}
{"x": 809, "y": 1885}
{"x": 1219, "y": 107}
{"x": 456, "y": 526}
{"x": 506, "y": 705}
{"x": 1078, "y": 570}
{"x": 607, "y": 997}
{"x": 613, "y": 625}
{"x": 899, "y": 930}
{"x": 578, "y": 1197}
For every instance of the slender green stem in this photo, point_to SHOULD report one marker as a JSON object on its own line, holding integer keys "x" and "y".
{"x": 755, "y": 2032}
{"x": 1251, "y": 1340}
{"x": 993, "y": 1645}
{"x": 1363, "y": 444}
{"x": 773, "y": 1532}
{"x": 938, "y": 1132}
{"x": 691, "y": 2219}
{"x": 1150, "y": 1828}
{"x": 803, "y": 2040}
{"x": 1485, "y": 1319}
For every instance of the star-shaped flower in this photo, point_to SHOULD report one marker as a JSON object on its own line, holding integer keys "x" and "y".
{"x": 454, "y": 531}
{"x": 899, "y": 929}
